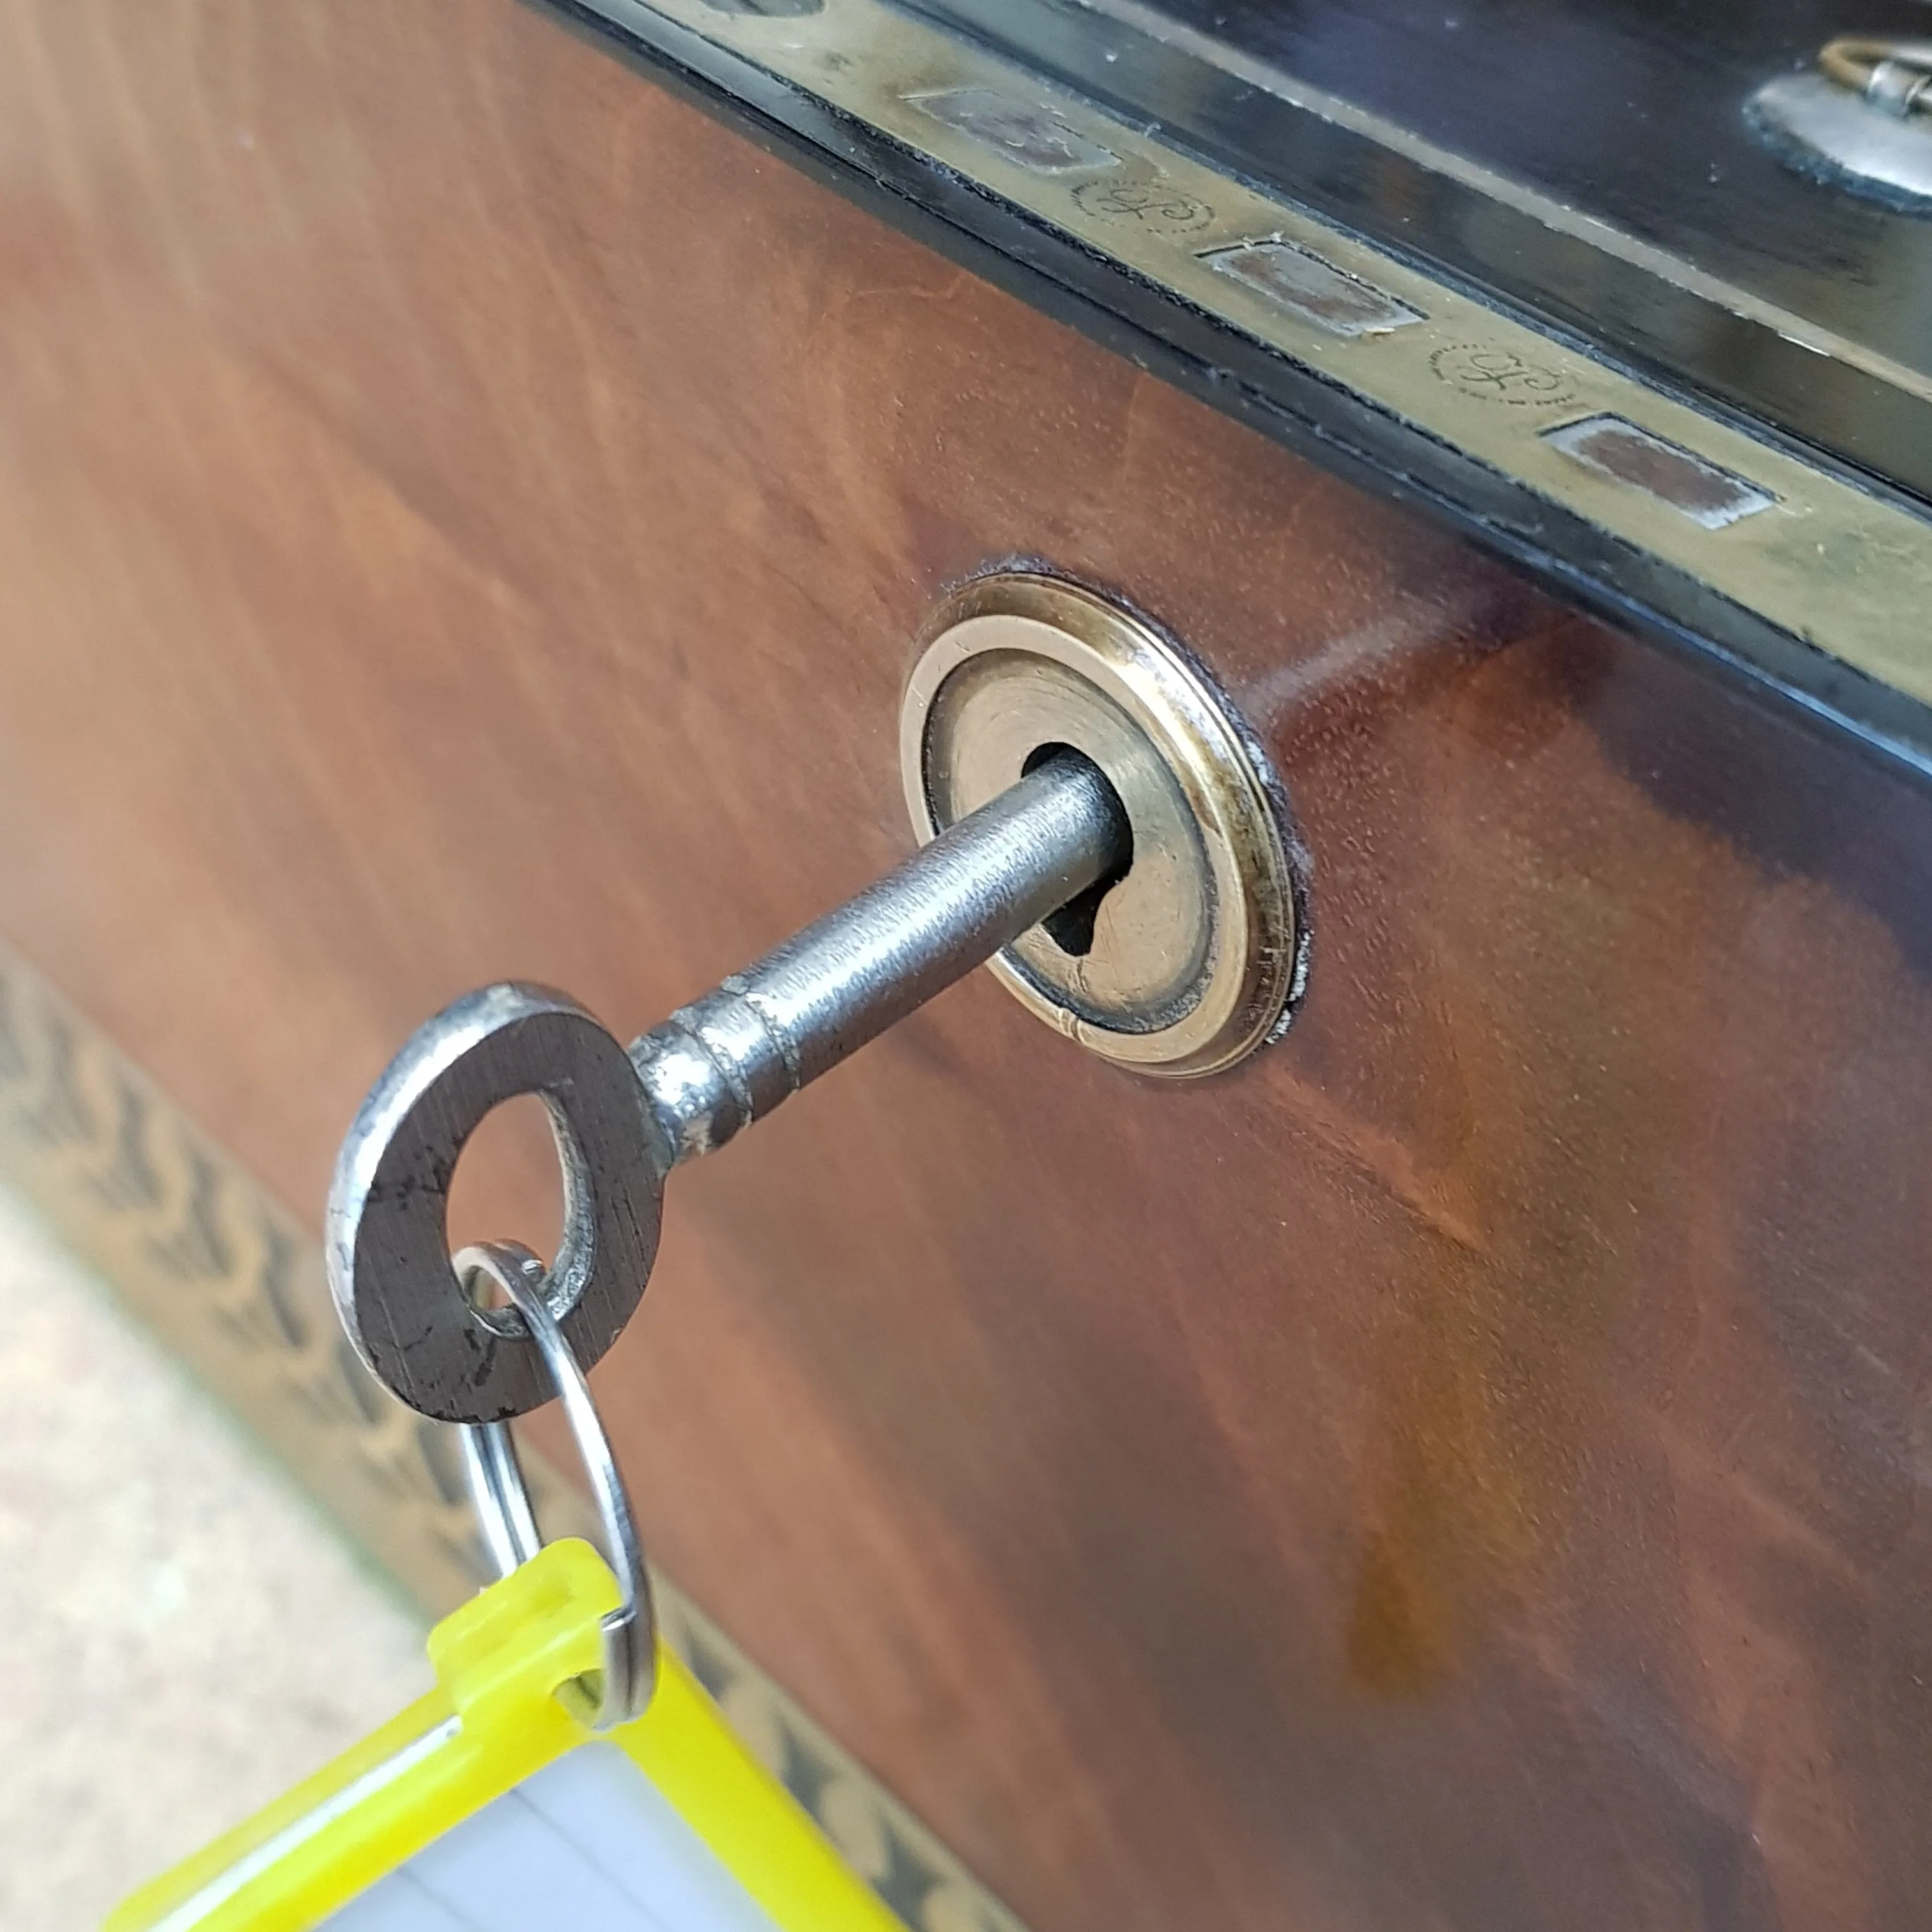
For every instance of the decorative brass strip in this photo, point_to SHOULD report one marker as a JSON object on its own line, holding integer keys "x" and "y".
{"x": 235, "y": 1286}
{"x": 1547, "y": 210}
{"x": 1827, "y": 561}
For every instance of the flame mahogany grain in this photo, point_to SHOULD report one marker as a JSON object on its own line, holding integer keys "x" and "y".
{"x": 462, "y": 513}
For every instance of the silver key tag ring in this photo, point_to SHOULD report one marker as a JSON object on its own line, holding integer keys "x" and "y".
{"x": 501, "y": 1496}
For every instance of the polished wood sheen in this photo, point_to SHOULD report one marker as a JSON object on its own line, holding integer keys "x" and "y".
{"x": 463, "y": 513}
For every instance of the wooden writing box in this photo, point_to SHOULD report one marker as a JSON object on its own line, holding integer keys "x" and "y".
{"x": 468, "y": 490}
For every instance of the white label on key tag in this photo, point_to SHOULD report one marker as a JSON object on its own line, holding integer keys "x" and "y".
{"x": 588, "y": 1843}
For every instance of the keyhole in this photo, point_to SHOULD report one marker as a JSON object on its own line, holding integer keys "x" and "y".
{"x": 1071, "y": 928}
{"x": 508, "y": 1185}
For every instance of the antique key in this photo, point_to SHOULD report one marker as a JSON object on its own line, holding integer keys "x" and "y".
{"x": 624, "y": 1120}
{"x": 1097, "y": 758}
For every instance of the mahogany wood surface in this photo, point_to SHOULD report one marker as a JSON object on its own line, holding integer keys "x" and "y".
{"x": 463, "y": 514}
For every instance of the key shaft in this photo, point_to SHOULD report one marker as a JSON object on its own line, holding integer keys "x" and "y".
{"x": 729, "y": 1058}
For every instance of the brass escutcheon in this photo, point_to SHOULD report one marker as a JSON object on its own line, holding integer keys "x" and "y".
{"x": 1191, "y": 958}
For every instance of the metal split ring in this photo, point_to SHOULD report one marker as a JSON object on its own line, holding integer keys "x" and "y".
{"x": 501, "y": 1497}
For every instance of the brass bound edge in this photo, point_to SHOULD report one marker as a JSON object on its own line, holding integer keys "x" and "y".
{"x": 1749, "y": 522}
{"x": 234, "y": 1286}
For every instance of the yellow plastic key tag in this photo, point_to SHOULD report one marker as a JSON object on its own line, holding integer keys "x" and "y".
{"x": 497, "y": 1804}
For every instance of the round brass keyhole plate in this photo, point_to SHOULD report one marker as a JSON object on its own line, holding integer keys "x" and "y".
{"x": 1195, "y": 953}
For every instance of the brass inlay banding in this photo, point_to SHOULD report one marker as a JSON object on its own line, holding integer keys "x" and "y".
{"x": 1831, "y": 564}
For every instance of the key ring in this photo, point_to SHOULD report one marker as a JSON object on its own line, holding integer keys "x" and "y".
{"x": 501, "y": 1497}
